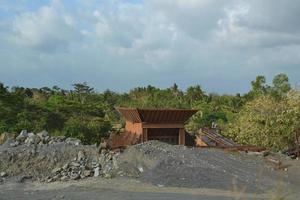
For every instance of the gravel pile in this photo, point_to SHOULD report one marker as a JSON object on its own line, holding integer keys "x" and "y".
{"x": 44, "y": 158}
{"x": 168, "y": 165}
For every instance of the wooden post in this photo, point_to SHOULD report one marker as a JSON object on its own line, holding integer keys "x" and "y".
{"x": 181, "y": 136}
{"x": 145, "y": 135}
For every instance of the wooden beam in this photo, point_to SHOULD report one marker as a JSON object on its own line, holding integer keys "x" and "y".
{"x": 181, "y": 136}
{"x": 145, "y": 135}
{"x": 148, "y": 125}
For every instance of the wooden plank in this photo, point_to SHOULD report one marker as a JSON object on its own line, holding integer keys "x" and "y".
{"x": 149, "y": 125}
{"x": 181, "y": 136}
{"x": 145, "y": 135}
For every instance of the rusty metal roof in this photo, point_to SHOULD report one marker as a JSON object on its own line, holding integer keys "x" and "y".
{"x": 139, "y": 115}
{"x": 213, "y": 135}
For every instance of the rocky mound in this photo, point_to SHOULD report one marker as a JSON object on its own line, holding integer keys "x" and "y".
{"x": 170, "y": 165}
{"x": 44, "y": 158}
{"x": 59, "y": 159}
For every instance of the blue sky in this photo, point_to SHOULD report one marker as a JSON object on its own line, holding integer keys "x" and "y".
{"x": 120, "y": 44}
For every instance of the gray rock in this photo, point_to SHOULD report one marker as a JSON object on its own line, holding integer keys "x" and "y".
{"x": 64, "y": 178}
{"x": 43, "y": 134}
{"x": 73, "y": 141}
{"x": 56, "y": 177}
{"x": 140, "y": 168}
{"x": 50, "y": 180}
{"x": 46, "y": 139}
{"x": 95, "y": 164}
{"x": 107, "y": 170}
{"x": 80, "y": 156}
{"x": 107, "y": 176}
{"x": 252, "y": 153}
{"x": 96, "y": 171}
{"x": 23, "y": 133}
{"x": 103, "y": 145}
{"x": 3, "y": 174}
{"x": 9, "y": 142}
{"x": 65, "y": 166}
{"x": 51, "y": 142}
{"x": 76, "y": 177}
{"x": 75, "y": 164}
{"x": 56, "y": 170}
{"x": 22, "y": 136}
{"x": 32, "y": 139}
{"x": 22, "y": 179}
{"x": 14, "y": 144}
{"x": 87, "y": 173}
{"x": 31, "y": 134}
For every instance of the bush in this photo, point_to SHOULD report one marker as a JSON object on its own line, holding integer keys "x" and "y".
{"x": 268, "y": 122}
{"x": 88, "y": 130}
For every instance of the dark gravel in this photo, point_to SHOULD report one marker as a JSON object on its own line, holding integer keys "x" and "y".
{"x": 157, "y": 163}
{"x": 169, "y": 165}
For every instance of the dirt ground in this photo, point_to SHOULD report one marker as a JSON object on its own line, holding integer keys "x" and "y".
{"x": 120, "y": 188}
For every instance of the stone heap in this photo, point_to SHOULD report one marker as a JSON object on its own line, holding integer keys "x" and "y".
{"x": 74, "y": 170}
{"x": 39, "y": 139}
{"x": 80, "y": 168}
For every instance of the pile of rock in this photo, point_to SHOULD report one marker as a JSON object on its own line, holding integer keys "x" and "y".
{"x": 80, "y": 168}
{"x": 74, "y": 170}
{"x": 2, "y": 176}
{"x": 49, "y": 159}
{"x": 108, "y": 163}
{"x": 39, "y": 139}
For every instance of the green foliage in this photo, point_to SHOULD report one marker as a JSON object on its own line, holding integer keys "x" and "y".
{"x": 281, "y": 85}
{"x": 268, "y": 115}
{"x": 79, "y": 112}
{"x": 268, "y": 122}
{"x": 89, "y": 131}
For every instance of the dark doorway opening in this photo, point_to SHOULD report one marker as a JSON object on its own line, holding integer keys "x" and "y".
{"x": 167, "y": 135}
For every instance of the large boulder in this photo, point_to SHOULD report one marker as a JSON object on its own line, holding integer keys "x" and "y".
{"x": 73, "y": 141}
{"x": 32, "y": 139}
{"x": 44, "y": 137}
{"x": 43, "y": 134}
{"x": 22, "y": 136}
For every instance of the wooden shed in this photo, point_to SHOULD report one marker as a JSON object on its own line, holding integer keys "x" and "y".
{"x": 166, "y": 125}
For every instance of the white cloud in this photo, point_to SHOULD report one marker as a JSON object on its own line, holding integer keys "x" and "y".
{"x": 45, "y": 29}
{"x": 260, "y": 23}
{"x": 221, "y": 44}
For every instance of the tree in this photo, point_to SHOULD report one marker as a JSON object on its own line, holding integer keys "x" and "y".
{"x": 205, "y": 116}
{"x": 194, "y": 93}
{"x": 82, "y": 90}
{"x": 259, "y": 87}
{"x": 88, "y": 130}
{"x": 281, "y": 85}
{"x": 268, "y": 122}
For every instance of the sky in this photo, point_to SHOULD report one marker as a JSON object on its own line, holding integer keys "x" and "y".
{"x": 119, "y": 44}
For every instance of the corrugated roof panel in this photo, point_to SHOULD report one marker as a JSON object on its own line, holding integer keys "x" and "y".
{"x": 130, "y": 114}
{"x": 215, "y": 136}
{"x": 156, "y": 115}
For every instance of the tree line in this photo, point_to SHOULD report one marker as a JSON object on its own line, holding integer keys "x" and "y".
{"x": 267, "y": 115}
